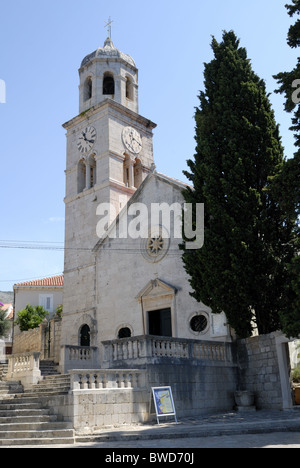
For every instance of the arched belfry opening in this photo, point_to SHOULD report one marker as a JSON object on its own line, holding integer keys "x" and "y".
{"x": 129, "y": 89}
{"x": 88, "y": 89}
{"x": 108, "y": 84}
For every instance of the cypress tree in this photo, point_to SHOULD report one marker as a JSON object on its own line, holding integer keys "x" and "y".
{"x": 286, "y": 185}
{"x": 239, "y": 270}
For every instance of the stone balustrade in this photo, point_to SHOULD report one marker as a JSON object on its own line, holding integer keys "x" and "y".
{"x": 24, "y": 367}
{"x": 107, "y": 379}
{"x": 78, "y": 357}
{"x": 151, "y": 349}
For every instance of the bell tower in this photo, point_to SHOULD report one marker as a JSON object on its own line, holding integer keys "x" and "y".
{"x": 108, "y": 73}
{"x": 109, "y": 144}
{"x": 109, "y": 154}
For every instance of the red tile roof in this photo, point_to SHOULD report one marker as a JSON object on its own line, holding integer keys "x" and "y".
{"x": 10, "y": 310}
{"x": 53, "y": 281}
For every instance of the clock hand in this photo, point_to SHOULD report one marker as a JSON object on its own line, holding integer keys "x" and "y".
{"x": 137, "y": 141}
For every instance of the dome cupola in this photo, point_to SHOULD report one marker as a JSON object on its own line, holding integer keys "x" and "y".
{"x": 108, "y": 73}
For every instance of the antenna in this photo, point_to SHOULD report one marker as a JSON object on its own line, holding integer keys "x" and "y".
{"x": 108, "y": 26}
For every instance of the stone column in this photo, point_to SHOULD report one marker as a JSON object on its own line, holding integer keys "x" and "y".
{"x": 131, "y": 172}
{"x": 88, "y": 176}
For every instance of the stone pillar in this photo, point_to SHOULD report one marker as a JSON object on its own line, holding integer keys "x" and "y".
{"x": 131, "y": 172}
{"x": 88, "y": 176}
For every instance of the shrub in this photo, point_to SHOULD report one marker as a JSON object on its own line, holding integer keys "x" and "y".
{"x": 31, "y": 317}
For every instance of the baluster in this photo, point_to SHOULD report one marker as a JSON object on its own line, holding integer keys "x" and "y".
{"x": 104, "y": 380}
{"x": 85, "y": 382}
{"x": 76, "y": 381}
{"x": 80, "y": 382}
{"x": 121, "y": 381}
{"x": 134, "y": 380}
{"x": 125, "y": 350}
{"x": 130, "y": 350}
{"x": 93, "y": 381}
{"x": 127, "y": 381}
{"x": 115, "y": 352}
{"x": 135, "y": 349}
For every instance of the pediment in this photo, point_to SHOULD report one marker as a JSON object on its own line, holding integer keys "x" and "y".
{"x": 156, "y": 288}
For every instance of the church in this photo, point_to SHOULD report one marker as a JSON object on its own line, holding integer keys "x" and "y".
{"x": 129, "y": 323}
{"x": 120, "y": 286}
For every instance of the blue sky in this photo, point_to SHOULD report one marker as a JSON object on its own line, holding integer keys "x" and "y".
{"x": 42, "y": 45}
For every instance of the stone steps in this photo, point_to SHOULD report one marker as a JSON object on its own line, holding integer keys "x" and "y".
{"x": 3, "y": 371}
{"x": 24, "y": 427}
{"x": 36, "y": 441}
{"x": 59, "y": 437}
{"x": 7, "y": 388}
{"x": 24, "y": 419}
{"x": 48, "y": 368}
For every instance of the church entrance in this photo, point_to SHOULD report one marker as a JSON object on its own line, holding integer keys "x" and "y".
{"x": 85, "y": 336}
{"x": 160, "y": 322}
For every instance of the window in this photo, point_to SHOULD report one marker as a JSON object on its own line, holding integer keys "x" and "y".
{"x": 88, "y": 89}
{"x": 46, "y": 301}
{"x": 85, "y": 336}
{"x": 160, "y": 322}
{"x": 108, "y": 84}
{"x": 93, "y": 171}
{"x": 199, "y": 323}
{"x": 124, "y": 333}
{"x": 129, "y": 89}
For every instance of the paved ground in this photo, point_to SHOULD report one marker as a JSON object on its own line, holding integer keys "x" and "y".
{"x": 256, "y": 429}
{"x": 273, "y": 440}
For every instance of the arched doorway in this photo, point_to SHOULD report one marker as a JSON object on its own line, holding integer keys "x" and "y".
{"x": 85, "y": 336}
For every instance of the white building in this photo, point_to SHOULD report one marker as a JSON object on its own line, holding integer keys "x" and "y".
{"x": 46, "y": 292}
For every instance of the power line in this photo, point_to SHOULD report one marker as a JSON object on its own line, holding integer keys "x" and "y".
{"x": 36, "y": 245}
{"x": 30, "y": 279}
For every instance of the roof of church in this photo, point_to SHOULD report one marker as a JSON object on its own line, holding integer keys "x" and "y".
{"x": 108, "y": 51}
{"x": 174, "y": 181}
{"x": 53, "y": 281}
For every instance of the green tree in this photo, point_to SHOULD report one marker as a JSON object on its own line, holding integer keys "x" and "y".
{"x": 31, "y": 317}
{"x": 286, "y": 185}
{"x": 239, "y": 270}
{"x": 4, "y": 324}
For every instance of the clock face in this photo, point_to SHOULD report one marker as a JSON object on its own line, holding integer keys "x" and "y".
{"x": 87, "y": 139}
{"x": 132, "y": 140}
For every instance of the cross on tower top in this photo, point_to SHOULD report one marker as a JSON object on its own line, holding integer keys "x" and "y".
{"x": 108, "y": 26}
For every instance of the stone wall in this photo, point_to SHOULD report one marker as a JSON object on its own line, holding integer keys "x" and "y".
{"x": 28, "y": 341}
{"x": 202, "y": 374}
{"x": 45, "y": 340}
{"x": 198, "y": 389}
{"x": 258, "y": 370}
